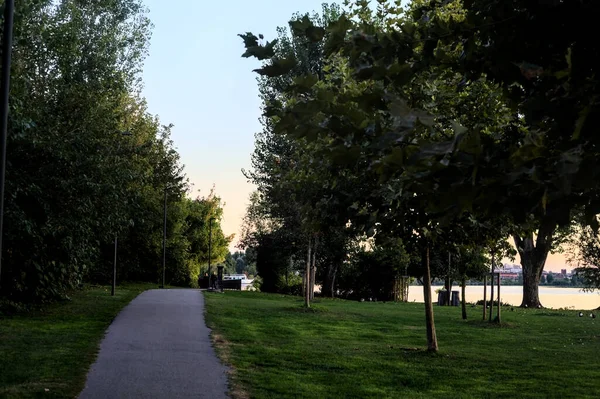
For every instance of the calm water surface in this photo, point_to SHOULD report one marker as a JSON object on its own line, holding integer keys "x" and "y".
{"x": 551, "y": 297}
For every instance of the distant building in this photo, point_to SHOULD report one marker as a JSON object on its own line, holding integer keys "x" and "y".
{"x": 563, "y": 272}
{"x": 509, "y": 276}
{"x": 511, "y": 268}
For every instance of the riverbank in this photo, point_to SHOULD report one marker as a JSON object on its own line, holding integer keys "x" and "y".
{"x": 376, "y": 350}
{"x": 551, "y": 297}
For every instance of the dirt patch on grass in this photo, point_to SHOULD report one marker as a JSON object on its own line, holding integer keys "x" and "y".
{"x": 223, "y": 349}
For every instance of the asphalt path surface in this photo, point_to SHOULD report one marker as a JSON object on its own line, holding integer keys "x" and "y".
{"x": 158, "y": 347}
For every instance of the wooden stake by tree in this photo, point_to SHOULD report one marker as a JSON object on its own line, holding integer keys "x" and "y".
{"x": 307, "y": 275}
{"x": 432, "y": 344}
{"x": 313, "y": 267}
{"x": 499, "y": 305}
{"x": 463, "y": 299}
{"x": 492, "y": 289}
{"x": 484, "y": 297}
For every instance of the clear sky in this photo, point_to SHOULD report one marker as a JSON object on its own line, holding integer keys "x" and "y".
{"x": 196, "y": 79}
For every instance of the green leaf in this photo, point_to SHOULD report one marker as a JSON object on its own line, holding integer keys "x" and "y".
{"x": 409, "y": 28}
{"x": 325, "y": 95}
{"x": 299, "y": 26}
{"x": 278, "y": 67}
{"x": 337, "y": 31}
{"x": 458, "y": 128}
{"x": 396, "y": 157}
{"x": 424, "y": 117}
{"x": 305, "y": 82}
{"x": 250, "y": 40}
{"x": 400, "y": 74}
{"x": 315, "y": 33}
{"x": 470, "y": 142}
{"x": 261, "y": 52}
{"x": 580, "y": 122}
{"x": 399, "y": 108}
{"x": 341, "y": 26}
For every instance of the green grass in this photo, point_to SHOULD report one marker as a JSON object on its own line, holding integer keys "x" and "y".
{"x": 344, "y": 349}
{"x": 53, "y": 348}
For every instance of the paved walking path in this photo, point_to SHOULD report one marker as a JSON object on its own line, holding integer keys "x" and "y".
{"x": 158, "y": 347}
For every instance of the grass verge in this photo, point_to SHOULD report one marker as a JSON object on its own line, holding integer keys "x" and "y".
{"x": 375, "y": 350}
{"x": 47, "y": 353}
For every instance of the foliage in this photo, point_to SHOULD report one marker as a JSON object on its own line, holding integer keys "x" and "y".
{"x": 86, "y": 161}
{"x": 371, "y": 274}
{"x": 460, "y": 111}
{"x": 301, "y": 197}
{"x": 237, "y": 263}
{"x": 587, "y": 258}
{"x": 273, "y": 262}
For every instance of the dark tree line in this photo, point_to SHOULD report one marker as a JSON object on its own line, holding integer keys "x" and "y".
{"x": 86, "y": 161}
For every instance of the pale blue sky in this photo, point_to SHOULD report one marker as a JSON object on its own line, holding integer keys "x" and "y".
{"x": 196, "y": 79}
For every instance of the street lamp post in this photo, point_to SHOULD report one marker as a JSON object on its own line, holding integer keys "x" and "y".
{"x": 164, "y": 260}
{"x": 209, "y": 250}
{"x": 9, "y": 8}
{"x": 114, "y": 279}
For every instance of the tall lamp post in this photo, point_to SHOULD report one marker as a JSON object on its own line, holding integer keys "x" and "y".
{"x": 209, "y": 250}
{"x": 9, "y": 10}
{"x": 114, "y": 279}
{"x": 164, "y": 259}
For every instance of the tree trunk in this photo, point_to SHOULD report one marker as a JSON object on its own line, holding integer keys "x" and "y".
{"x": 328, "y": 289}
{"x": 304, "y": 284}
{"x": 448, "y": 283}
{"x": 432, "y": 344}
{"x": 313, "y": 267}
{"x": 313, "y": 275}
{"x": 463, "y": 299}
{"x": 533, "y": 256}
{"x": 531, "y": 282}
{"x": 499, "y": 304}
{"x": 484, "y": 297}
{"x": 492, "y": 289}
{"x": 287, "y": 271}
{"x": 333, "y": 282}
{"x": 307, "y": 276}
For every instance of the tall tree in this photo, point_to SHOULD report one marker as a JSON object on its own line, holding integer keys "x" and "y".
{"x": 87, "y": 163}
{"x": 531, "y": 165}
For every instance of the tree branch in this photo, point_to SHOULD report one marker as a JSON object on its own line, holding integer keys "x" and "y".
{"x": 518, "y": 243}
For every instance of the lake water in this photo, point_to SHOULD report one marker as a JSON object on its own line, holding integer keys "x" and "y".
{"x": 551, "y": 297}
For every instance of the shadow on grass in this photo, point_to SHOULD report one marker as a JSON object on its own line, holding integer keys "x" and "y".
{"x": 304, "y": 309}
{"x": 487, "y": 324}
{"x": 553, "y": 314}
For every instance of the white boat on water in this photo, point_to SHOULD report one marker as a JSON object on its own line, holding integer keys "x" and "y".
{"x": 246, "y": 282}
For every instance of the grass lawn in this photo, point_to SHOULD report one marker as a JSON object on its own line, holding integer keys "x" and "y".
{"x": 346, "y": 349}
{"x": 53, "y": 348}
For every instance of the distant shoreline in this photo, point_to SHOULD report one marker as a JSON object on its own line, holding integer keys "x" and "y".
{"x": 506, "y": 283}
